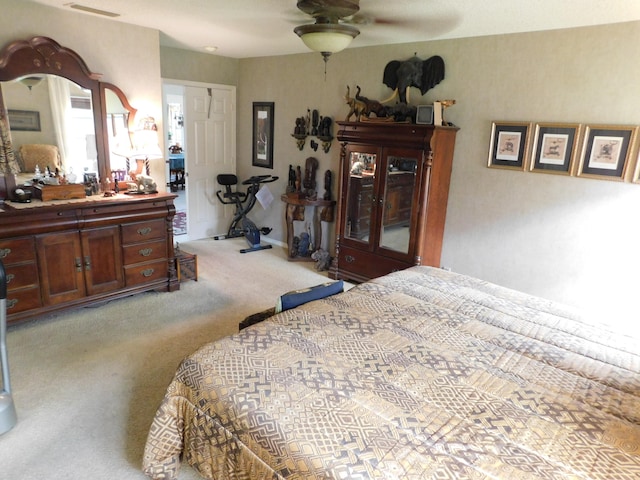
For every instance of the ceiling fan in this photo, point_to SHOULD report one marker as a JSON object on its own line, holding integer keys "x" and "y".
{"x": 337, "y": 22}
{"x": 330, "y": 33}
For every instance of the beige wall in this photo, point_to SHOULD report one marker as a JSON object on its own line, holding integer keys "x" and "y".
{"x": 564, "y": 238}
{"x": 570, "y": 239}
{"x": 125, "y": 55}
{"x": 178, "y": 64}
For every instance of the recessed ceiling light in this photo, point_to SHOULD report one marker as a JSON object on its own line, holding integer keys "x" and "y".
{"x": 211, "y": 49}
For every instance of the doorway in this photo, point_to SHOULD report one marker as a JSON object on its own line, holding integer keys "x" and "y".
{"x": 199, "y": 124}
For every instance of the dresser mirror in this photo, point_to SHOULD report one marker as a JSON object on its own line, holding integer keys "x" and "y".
{"x": 53, "y": 99}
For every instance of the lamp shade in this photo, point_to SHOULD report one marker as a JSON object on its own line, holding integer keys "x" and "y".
{"x": 327, "y": 38}
{"x": 145, "y": 139}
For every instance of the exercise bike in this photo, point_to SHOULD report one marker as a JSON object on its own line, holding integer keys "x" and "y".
{"x": 241, "y": 225}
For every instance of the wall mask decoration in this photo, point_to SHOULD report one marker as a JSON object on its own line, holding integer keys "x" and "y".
{"x": 422, "y": 74}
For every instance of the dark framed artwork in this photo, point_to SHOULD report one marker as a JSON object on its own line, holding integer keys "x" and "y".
{"x": 263, "y": 134}
{"x": 24, "y": 120}
{"x": 509, "y": 146}
{"x": 555, "y": 148}
{"x": 606, "y": 151}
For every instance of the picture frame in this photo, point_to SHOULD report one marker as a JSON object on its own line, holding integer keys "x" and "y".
{"x": 263, "y": 122}
{"x": 424, "y": 115}
{"x": 555, "y": 148}
{"x": 509, "y": 146}
{"x": 24, "y": 120}
{"x": 606, "y": 151}
{"x": 636, "y": 170}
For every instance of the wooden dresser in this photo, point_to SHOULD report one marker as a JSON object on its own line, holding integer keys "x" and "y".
{"x": 65, "y": 255}
{"x": 394, "y": 187}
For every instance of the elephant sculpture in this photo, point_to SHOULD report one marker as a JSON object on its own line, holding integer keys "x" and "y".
{"x": 422, "y": 74}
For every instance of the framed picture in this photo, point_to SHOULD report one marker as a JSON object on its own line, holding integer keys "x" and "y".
{"x": 24, "y": 120}
{"x": 509, "y": 145}
{"x": 606, "y": 151}
{"x": 263, "y": 134}
{"x": 424, "y": 114}
{"x": 636, "y": 170}
{"x": 555, "y": 148}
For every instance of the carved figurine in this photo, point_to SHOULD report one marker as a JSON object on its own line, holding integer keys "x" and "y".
{"x": 298, "y": 183}
{"x": 311, "y": 165}
{"x": 315, "y": 120}
{"x": 322, "y": 258}
{"x": 325, "y": 128}
{"x": 356, "y": 107}
{"x": 327, "y": 185}
{"x": 371, "y": 106}
{"x": 291, "y": 185}
{"x": 303, "y": 245}
{"x": 300, "y": 128}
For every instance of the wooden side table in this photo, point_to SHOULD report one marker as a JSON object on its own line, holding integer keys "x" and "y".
{"x": 295, "y": 212}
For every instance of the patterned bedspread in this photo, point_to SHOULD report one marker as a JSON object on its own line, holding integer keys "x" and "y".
{"x": 416, "y": 375}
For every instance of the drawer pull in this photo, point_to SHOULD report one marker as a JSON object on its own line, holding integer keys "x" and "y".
{"x": 145, "y": 252}
{"x": 350, "y": 258}
{"x": 12, "y": 302}
{"x": 10, "y": 276}
{"x": 4, "y": 252}
{"x": 148, "y": 272}
{"x": 144, "y": 231}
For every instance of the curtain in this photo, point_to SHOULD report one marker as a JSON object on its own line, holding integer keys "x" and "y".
{"x": 8, "y": 162}
{"x": 60, "y": 98}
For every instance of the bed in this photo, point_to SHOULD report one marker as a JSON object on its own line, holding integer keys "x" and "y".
{"x": 419, "y": 374}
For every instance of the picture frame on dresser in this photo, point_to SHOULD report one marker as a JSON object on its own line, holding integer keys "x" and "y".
{"x": 606, "y": 151}
{"x": 555, "y": 148}
{"x": 509, "y": 145}
{"x": 263, "y": 127}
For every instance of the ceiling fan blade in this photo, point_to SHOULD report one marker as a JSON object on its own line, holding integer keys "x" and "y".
{"x": 331, "y": 9}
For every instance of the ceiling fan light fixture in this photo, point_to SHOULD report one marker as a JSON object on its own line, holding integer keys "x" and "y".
{"x": 30, "y": 82}
{"x": 327, "y": 38}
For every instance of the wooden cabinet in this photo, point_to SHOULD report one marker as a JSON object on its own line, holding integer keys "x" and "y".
{"x": 86, "y": 252}
{"x": 23, "y": 288}
{"x": 394, "y": 187}
{"x": 145, "y": 252}
{"x": 73, "y": 265}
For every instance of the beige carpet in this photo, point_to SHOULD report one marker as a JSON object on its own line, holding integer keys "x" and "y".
{"x": 87, "y": 383}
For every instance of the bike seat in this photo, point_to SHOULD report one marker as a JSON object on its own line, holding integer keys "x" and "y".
{"x": 227, "y": 180}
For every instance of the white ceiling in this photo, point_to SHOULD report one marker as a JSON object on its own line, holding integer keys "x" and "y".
{"x": 255, "y": 28}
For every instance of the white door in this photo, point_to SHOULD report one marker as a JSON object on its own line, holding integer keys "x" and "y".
{"x": 209, "y": 151}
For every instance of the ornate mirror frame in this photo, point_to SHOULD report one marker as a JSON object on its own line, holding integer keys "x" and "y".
{"x": 43, "y": 55}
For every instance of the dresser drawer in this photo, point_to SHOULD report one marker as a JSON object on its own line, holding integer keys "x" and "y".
{"x": 145, "y": 252}
{"x": 144, "y": 231}
{"x": 20, "y": 276}
{"x": 366, "y": 264}
{"x": 17, "y": 250}
{"x": 24, "y": 299}
{"x": 145, "y": 273}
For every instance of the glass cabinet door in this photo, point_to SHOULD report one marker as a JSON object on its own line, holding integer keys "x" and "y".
{"x": 399, "y": 187}
{"x": 360, "y": 195}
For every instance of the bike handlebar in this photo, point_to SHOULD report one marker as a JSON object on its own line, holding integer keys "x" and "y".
{"x": 258, "y": 179}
